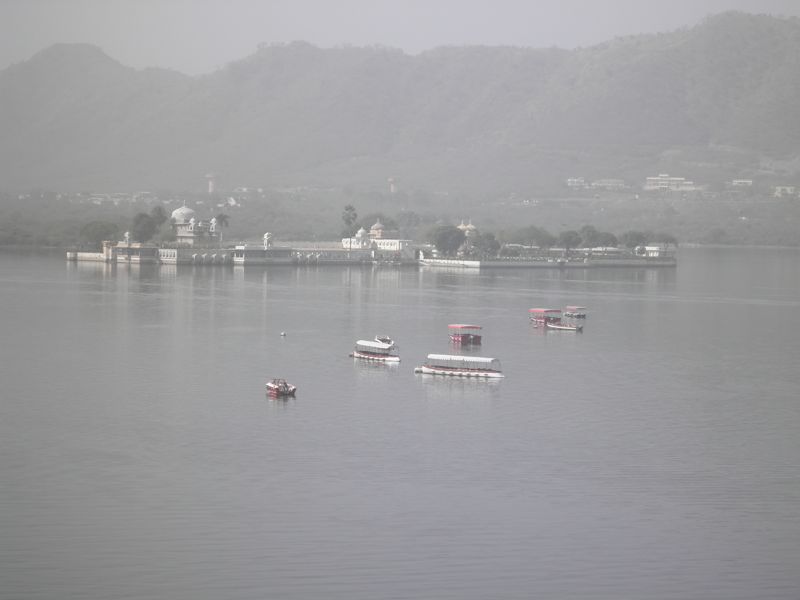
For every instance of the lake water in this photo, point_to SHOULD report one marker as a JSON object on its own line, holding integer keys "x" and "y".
{"x": 656, "y": 455}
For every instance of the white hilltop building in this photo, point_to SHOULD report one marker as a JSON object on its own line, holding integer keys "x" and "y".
{"x": 469, "y": 229}
{"x": 191, "y": 231}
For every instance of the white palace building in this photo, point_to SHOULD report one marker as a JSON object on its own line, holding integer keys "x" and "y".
{"x": 375, "y": 240}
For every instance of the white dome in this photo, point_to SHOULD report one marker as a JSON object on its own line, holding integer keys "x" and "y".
{"x": 182, "y": 214}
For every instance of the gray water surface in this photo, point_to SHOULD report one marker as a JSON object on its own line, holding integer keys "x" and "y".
{"x": 655, "y": 455}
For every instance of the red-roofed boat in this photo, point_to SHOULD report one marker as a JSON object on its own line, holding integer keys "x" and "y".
{"x": 462, "y": 333}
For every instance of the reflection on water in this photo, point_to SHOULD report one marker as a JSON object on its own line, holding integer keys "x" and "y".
{"x": 449, "y": 384}
{"x": 94, "y": 269}
{"x": 279, "y": 402}
{"x": 374, "y": 370}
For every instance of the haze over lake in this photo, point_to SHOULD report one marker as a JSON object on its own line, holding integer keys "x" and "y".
{"x": 652, "y": 456}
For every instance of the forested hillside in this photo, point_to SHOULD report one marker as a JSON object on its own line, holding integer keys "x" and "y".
{"x": 718, "y": 100}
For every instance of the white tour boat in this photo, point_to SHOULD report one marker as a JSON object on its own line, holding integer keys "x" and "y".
{"x": 461, "y": 366}
{"x": 382, "y": 349}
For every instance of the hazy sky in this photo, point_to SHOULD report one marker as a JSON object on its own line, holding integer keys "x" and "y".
{"x": 197, "y": 36}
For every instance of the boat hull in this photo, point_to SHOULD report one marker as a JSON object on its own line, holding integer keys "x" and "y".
{"x": 279, "y": 394}
{"x": 387, "y": 358}
{"x": 477, "y": 374}
{"x": 465, "y": 339}
{"x": 564, "y": 327}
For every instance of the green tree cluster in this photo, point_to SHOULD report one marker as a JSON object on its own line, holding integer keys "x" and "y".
{"x": 447, "y": 239}
{"x": 145, "y": 226}
{"x": 94, "y": 233}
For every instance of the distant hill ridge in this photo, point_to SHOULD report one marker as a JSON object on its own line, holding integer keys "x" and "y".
{"x": 711, "y": 101}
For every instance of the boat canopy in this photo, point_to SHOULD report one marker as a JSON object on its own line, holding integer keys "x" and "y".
{"x": 551, "y": 312}
{"x": 454, "y": 361}
{"x": 464, "y": 326}
{"x": 374, "y": 346}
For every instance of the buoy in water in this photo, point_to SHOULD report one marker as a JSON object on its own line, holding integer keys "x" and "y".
{"x": 283, "y": 334}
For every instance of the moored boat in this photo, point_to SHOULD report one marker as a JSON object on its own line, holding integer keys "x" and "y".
{"x": 541, "y": 316}
{"x": 550, "y": 318}
{"x": 382, "y": 349}
{"x": 461, "y": 366}
{"x": 280, "y": 388}
{"x": 576, "y": 312}
{"x": 462, "y": 333}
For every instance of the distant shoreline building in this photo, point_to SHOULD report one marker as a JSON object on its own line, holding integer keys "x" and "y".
{"x": 609, "y": 184}
{"x": 577, "y": 183}
{"x": 784, "y": 191}
{"x": 664, "y": 183}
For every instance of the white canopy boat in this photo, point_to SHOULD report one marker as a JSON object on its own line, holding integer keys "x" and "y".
{"x": 460, "y": 366}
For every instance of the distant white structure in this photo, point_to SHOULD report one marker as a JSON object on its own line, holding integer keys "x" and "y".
{"x": 655, "y": 250}
{"x": 610, "y": 184}
{"x": 360, "y": 241}
{"x": 392, "y": 185}
{"x": 374, "y": 240}
{"x": 784, "y": 191}
{"x": 391, "y": 245}
{"x": 664, "y": 183}
{"x": 576, "y": 183}
{"x": 211, "y": 180}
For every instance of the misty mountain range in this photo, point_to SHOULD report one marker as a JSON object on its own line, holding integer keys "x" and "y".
{"x": 716, "y": 101}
